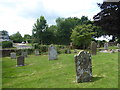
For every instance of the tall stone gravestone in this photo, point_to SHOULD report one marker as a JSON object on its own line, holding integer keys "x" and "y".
{"x": 24, "y": 54}
{"x": 13, "y": 55}
{"x": 20, "y": 61}
{"x": 52, "y": 52}
{"x": 83, "y": 67}
{"x": 94, "y": 48}
{"x": 37, "y": 52}
{"x": 105, "y": 45}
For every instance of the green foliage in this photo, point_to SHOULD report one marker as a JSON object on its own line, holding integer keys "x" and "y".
{"x": 7, "y": 44}
{"x": 81, "y": 35}
{"x": 43, "y": 48}
{"x": 28, "y": 38}
{"x": 65, "y": 26}
{"x": 17, "y": 38}
{"x": 39, "y": 30}
{"x": 109, "y": 18}
{"x": 4, "y": 32}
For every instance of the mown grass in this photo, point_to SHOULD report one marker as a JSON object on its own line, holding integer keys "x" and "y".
{"x": 39, "y": 72}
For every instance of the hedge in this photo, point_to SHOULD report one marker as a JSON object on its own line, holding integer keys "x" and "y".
{"x": 7, "y": 44}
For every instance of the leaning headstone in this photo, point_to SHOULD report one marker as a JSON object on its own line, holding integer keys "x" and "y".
{"x": 52, "y": 52}
{"x": 105, "y": 45}
{"x": 20, "y": 61}
{"x": 83, "y": 67}
{"x": 24, "y": 54}
{"x": 94, "y": 48}
{"x": 37, "y": 52}
{"x": 13, "y": 55}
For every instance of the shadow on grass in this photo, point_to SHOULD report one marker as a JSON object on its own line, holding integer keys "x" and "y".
{"x": 96, "y": 79}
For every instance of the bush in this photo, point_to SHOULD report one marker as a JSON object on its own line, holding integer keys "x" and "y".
{"x": 43, "y": 48}
{"x": 36, "y": 46}
{"x": 7, "y": 44}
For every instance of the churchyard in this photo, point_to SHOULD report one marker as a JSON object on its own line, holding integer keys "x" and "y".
{"x": 39, "y": 71}
{"x": 75, "y": 52}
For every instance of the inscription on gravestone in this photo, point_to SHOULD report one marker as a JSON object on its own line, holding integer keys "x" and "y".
{"x": 52, "y": 52}
{"x": 94, "y": 48}
{"x": 20, "y": 61}
{"x": 83, "y": 67}
{"x": 13, "y": 55}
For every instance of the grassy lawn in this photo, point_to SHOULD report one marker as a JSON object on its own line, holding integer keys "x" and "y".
{"x": 39, "y": 72}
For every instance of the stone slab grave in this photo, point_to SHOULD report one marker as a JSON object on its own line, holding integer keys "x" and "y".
{"x": 13, "y": 55}
{"x": 83, "y": 65}
{"x": 24, "y": 54}
{"x": 93, "y": 48}
{"x": 105, "y": 45}
{"x": 20, "y": 61}
{"x": 52, "y": 52}
{"x": 37, "y": 52}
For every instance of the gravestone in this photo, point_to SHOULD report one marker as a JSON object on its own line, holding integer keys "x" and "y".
{"x": 83, "y": 67}
{"x": 75, "y": 50}
{"x": 37, "y": 52}
{"x": 105, "y": 45}
{"x": 67, "y": 51}
{"x": 118, "y": 45}
{"x": 13, "y": 55}
{"x": 52, "y": 52}
{"x": 98, "y": 45}
{"x": 24, "y": 54}
{"x": 20, "y": 61}
{"x": 93, "y": 48}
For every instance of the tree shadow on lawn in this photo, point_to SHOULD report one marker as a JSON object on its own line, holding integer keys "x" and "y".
{"x": 96, "y": 79}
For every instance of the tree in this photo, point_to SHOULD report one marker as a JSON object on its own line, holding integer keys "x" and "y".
{"x": 4, "y": 32}
{"x": 65, "y": 26}
{"x": 81, "y": 35}
{"x": 53, "y": 34}
{"x": 109, "y": 18}
{"x": 39, "y": 30}
{"x": 17, "y": 38}
{"x": 28, "y": 38}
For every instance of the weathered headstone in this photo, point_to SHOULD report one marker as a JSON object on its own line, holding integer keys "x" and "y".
{"x": 67, "y": 51}
{"x": 118, "y": 45}
{"x": 98, "y": 45}
{"x": 24, "y": 54}
{"x": 37, "y": 52}
{"x": 94, "y": 48}
{"x": 83, "y": 67}
{"x": 13, "y": 55}
{"x": 20, "y": 61}
{"x": 52, "y": 52}
{"x": 105, "y": 45}
{"x": 75, "y": 50}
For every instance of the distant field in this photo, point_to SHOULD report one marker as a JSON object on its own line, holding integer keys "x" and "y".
{"x": 39, "y": 72}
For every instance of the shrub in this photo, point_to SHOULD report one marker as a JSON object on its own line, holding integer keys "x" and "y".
{"x": 7, "y": 44}
{"x": 36, "y": 46}
{"x": 43, "y": 48}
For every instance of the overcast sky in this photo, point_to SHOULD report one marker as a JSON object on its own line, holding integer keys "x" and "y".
{"x": 20, "y": 15}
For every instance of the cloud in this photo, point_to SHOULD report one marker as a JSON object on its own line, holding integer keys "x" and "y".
{"x": 20, "y": 15}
